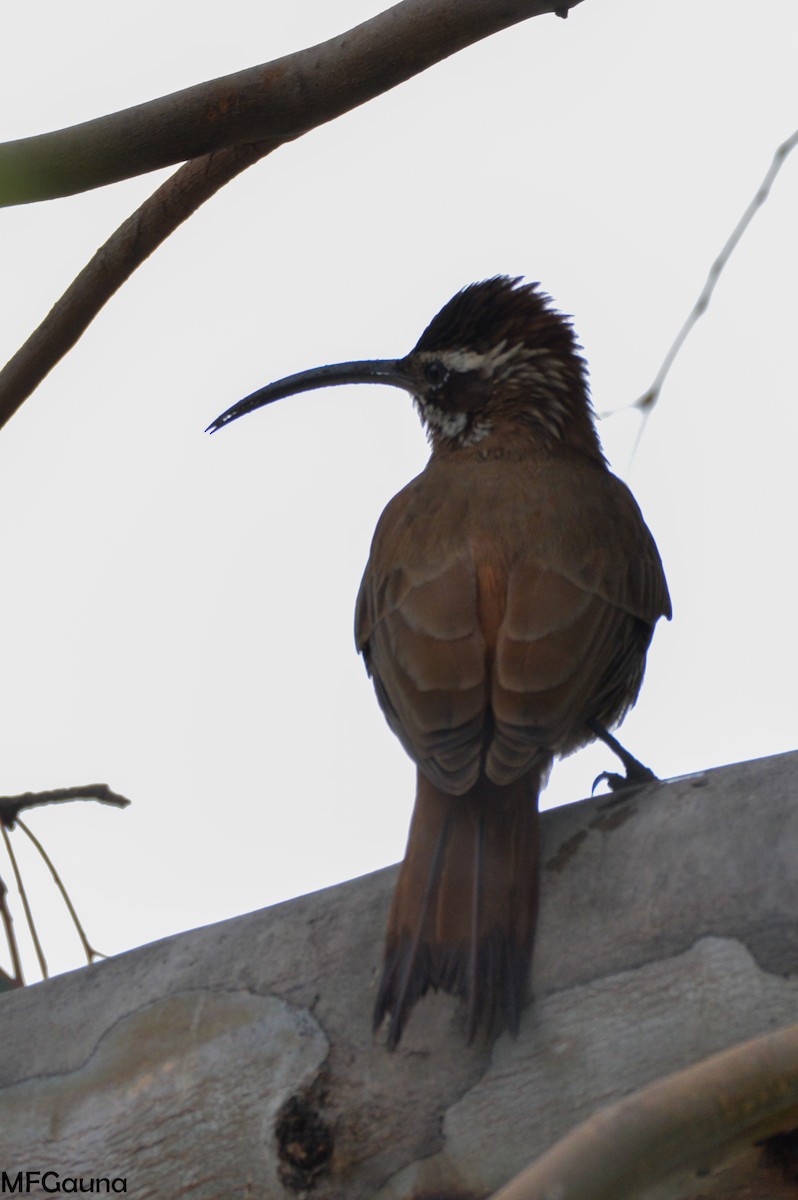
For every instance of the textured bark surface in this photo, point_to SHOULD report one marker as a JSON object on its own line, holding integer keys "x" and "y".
{"x": 237, "y": 1060}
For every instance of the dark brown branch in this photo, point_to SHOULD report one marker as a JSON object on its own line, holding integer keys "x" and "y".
{"x": 278, "y": 100}
{"x": 134, "y": 240}
{"x": 12, "y": 806}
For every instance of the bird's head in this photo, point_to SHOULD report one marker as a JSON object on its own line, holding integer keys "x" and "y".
{"x": 497, "y": 358}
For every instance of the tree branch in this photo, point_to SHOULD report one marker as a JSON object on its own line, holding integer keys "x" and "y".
{"x": 278, "y": 100}
{"x": 23, "y": 895}
{"x": 17, "y": 979}
{"x": 12, "y": 806}
{"x": 88, "y": 949}
{"x": 650, "y": 397}
{"x": 666, "y": 1131}
{"x": 133, "y": 242}
{"x": 286, "y": 97}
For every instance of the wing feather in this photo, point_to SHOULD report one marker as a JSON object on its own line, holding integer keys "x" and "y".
{"x": 504, "y": 606}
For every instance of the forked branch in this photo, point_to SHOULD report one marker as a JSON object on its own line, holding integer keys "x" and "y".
{"x": 239, "y": 119}
{"x": 10, "y": 808}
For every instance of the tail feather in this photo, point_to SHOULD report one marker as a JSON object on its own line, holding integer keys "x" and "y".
{"x": 464, "y": 910}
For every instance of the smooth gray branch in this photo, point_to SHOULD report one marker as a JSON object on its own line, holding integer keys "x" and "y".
{"x": 692, "y": 1119}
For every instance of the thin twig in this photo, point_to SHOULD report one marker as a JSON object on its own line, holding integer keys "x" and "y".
{"x": 88, "y": 949}
{"x": 649, "y": 398}
{"x": 8, "y": 926}
{"x": 11, "y": 806}
{"x": 23, "y": 895}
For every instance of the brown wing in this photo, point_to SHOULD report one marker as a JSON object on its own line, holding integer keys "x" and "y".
{"x": 496, "y": 619}
{"x": 582, "y": 601}
{"x": 420, "y": 636}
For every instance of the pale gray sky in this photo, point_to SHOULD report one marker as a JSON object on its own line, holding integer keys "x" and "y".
{"x": 177, "y": 609}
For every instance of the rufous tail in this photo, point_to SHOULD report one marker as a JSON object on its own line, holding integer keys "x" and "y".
{"x": 465, "y": 906}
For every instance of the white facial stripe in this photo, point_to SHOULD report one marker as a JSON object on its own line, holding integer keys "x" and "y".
{"x": 487, "y": 363}
{"x": 539, "y": 380}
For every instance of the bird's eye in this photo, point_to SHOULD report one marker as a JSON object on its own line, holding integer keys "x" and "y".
{"x": 435, "y": 372}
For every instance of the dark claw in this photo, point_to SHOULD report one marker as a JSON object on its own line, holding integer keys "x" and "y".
{"x": 636, "y": 773}
{"x": 616, "y": 783}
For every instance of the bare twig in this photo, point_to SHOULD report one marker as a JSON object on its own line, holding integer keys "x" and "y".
{"x": 689, "y": 1120}
{"x": 23, "y": 895}
{"x": 276, "y": 101}
{"x": 11, "y": 806}
{"x": 8, "y": 926}
{"x": 88, "y": 949}
{"x": 649, "y": 398}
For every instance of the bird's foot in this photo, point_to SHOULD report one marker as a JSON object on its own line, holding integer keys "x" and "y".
{"x": 637, "y": 773}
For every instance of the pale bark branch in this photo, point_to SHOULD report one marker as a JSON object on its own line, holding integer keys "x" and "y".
{"x": 278, "y": 100}
{"x": 689, "y": 1120}
{"x": 644, "y": 963}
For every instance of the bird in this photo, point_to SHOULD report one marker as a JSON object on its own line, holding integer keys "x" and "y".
{"x": 504, "y": 616}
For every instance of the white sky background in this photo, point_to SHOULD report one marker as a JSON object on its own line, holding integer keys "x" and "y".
{"x": 177, "y": 609}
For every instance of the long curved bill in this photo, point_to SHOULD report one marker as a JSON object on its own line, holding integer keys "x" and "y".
{"x": 388, "y": 371}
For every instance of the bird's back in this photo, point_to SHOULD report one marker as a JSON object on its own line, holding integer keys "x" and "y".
{"x": 506, "y": 599}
